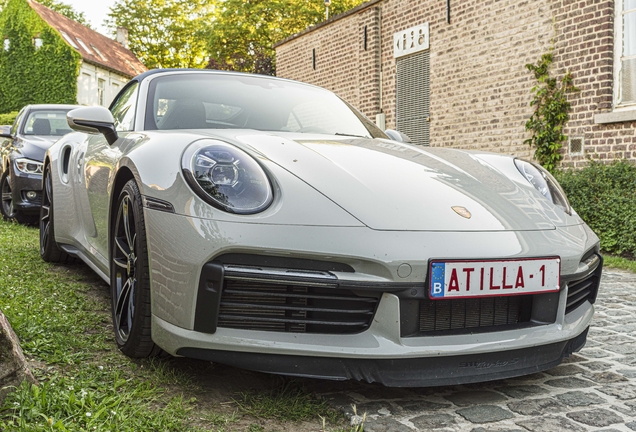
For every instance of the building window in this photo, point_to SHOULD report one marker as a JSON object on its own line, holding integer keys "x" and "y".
{"x": 625, "y": 53}
{"x": 69, "y": 40}
{"x": 101, "y": 85}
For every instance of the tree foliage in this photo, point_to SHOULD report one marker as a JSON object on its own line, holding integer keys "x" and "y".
{"x": 66, "y": 10}
{"x": 551, "y": 112}
{"x": 245, "y": 31}
{"x": 165, "y": 33}
{"x": 34, "y": 75}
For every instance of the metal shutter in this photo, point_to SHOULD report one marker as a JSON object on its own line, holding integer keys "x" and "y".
{"x": 413, "y": 97}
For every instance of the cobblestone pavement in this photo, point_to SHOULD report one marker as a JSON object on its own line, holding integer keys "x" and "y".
{"x": 594, "y": 389}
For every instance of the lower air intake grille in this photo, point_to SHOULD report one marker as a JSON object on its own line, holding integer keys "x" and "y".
{"x": 257, "y": 305}
{"x": 581, "y": 291}
{"x": 460, "y": 314}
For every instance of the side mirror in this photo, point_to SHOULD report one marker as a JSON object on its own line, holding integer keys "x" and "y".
{"x": 398, "y": 136}
{"x": 93, "y": 120}
{"x": 5, "y": 132}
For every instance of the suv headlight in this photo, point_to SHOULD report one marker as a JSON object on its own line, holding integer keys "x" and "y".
{"x": 29, "y": 166}
{"x": 543, "y": 181}
{"x": 226, "y": 177}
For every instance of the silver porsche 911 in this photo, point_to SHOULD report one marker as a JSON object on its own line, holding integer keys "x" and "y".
{"x": 266, "y": 224}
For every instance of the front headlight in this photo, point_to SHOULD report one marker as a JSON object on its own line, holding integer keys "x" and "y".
{"x": 29, "y": 166}
{"x": 226, "y": 177}
{"x": 543, "y": 181}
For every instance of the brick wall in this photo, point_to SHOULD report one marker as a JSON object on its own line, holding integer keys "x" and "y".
{"x": 480, "y": 88}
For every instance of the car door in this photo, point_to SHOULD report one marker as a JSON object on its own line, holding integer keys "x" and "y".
{"x": 99, "y": 162}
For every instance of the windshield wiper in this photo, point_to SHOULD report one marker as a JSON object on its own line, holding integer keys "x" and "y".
{"x": 351, "y": 135}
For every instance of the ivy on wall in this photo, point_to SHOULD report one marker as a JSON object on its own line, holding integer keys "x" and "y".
{"x": 29, "y": 75}
{"x": 551, "y": 112}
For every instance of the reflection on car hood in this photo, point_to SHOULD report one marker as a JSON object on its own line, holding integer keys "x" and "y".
{"x": 392, "y": 186}
{"x": 34, "y": 147}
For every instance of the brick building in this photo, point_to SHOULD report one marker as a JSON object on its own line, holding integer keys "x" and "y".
{"x": 453, "y": 73}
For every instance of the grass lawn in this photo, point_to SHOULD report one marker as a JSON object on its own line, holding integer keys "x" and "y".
{"x": 62, "y": 316}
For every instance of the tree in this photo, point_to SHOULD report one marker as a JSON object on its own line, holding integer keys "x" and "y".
{"x": 164, "y": 33}
{"x": 244, "y": 31}
{"x": 66, "y": 10}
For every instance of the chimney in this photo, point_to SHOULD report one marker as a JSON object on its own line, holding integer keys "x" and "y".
{"x": 122, "y": 36}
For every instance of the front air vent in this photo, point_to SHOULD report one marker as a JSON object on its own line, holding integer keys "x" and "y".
{"x": 294, "y": 307}
{"x": 585, "y": 287}
{"x": 481, "y": 314}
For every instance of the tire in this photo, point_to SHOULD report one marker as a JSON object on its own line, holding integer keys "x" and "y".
{"x": 49, "y": 249}
{"x": 9, "y": 213}
{"x": 130, "y": 277}
{"x": 6, "y": 207}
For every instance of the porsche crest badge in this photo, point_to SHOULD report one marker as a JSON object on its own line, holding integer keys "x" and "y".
{"x": 462, "y": 211}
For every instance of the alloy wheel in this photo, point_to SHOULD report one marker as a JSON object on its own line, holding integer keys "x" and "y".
{"x": 125, "y": 264}
{"x": 7, "y": 196}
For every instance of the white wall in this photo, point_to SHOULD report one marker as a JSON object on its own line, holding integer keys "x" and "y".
{"x": 88, "y": 85}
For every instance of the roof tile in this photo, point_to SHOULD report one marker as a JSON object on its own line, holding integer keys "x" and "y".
{"x": 113, "y": 55}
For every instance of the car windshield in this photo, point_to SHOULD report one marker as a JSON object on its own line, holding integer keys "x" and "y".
{"x": 219, "y": 101}
{"x": 47, "y": 122}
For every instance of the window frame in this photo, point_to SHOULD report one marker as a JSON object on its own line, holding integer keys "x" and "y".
{"x": 619, "y": 105}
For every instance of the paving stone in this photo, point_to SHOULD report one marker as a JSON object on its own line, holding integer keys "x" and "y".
{"x": 597, "y": 366}
{"x": 574, "y": 358}
{"x": 522, "y": 391}
{"x": 627, "y": 373}
{"x": 484, "y": 414}
{"x": 605, "y": 377}
{"x": 372, "y": 408}
{"x": 384, "y": 424}
{"x": 535, "y": 407}
{"x": 624, "y": 349}
{"x": 622, "y": 391}
{"x": 550, "y": 424}
{"x": 564, "y": 370}
{"x": 596, "y": 353}
{"x": 481, "y": 429}
{"x": 433, "y": 421}
{"x": 474, "y": 397}
{"x": 570, "y": 382}
{"x": 579, "y": 398}
{"x": 422, "y": 406}
{"x": 628, "y": 360}
{"x": 596, "y": 417}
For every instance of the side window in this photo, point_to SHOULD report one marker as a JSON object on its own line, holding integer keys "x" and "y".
{"x": 124, "y": 109}
{"x": 18, "y": 119}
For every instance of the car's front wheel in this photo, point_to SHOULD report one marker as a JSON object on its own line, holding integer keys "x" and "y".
{"x": 130, "y": 277}
{"x": 49, "y": 249}
{"x": 8, "y": 210}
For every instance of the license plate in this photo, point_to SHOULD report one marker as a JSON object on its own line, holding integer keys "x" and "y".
{"x": 475, "y": 278}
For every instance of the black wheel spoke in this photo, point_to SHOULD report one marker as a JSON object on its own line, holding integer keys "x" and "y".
{"x": 121, "y": 262}
{"x": 126, "y": 222}
{"x": 122, "y": 307}
{"x": 122, "y": 246}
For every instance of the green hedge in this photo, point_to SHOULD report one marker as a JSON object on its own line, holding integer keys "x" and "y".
{"x": 9, "y": 118}
{"x": 604, "y": 195}
{"x": 29, "y": 75}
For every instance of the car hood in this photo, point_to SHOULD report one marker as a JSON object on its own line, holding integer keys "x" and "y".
{"x": 34, "y": 147}
{"x": 392, "y": 186}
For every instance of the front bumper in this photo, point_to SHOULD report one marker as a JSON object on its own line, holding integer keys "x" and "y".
{"x": 20, "y": 185}
{"x": 381, "y": 352}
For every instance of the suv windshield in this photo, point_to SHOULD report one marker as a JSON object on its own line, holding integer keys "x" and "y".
{"x": 46, "y": 122}
{"x": 219, "y": 101}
